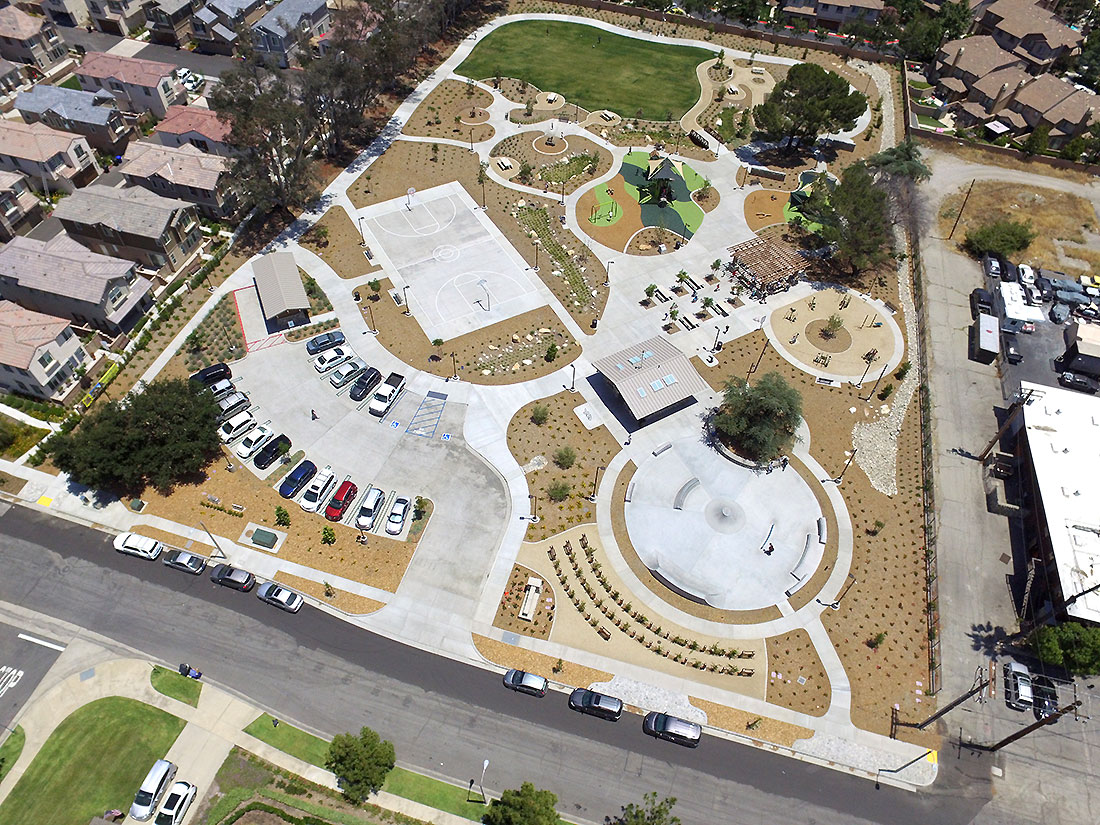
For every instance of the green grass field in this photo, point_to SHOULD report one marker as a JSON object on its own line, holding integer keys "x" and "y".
{"x": 428, "y": 791}
{"x": 623, "y": 74}
{"x": 289, "y": 739}
{"x": 10, "y": 750}
{"x": 93, "y": 761}
{"x": 170, "y": 683}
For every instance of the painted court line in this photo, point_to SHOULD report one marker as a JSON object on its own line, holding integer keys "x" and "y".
{"x": 43, "y": 642}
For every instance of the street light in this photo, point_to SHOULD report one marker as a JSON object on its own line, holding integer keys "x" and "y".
{"x": 534, "y": 517}
{"x": 536, "y": 243}
{"x": 405, "y": 298}
{"x": 607, "y": 282}
{"x": 362, "y": 243}
{"x": 573, "y": 380}
{"x": 717, "y": 332}
{"x": 454, "y": 366}
{"x": 484, "y": 767}
{"x": 596, "y": 483}
{"x": 847, "y": 464}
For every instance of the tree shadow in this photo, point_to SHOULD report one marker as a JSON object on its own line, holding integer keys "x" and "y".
{"x": 989, "y": 639}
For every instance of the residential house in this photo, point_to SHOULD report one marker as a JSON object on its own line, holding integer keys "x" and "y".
{"x": 56, "y": 161}
{"x": 39, "y": 354}
{"x": 1034, "y": 34}
{"x": 1061, "y": 107}
{"x": 20, "y": 209}
{"x": 832, "y": 15}
{"x": 279, "y": 32}
{"x": 962, "y": 63}
{"x": 92, "y": 114}
{"x": 30, "y": 40}
{"x": 60, "y": 277}
{"x": 185, "y": 173}
{"x": 117, "y": 16}
{"x": 161, "y": 234}
{"x": 67, "y": 12}
{"x": 12, "y": 78}
{"x": 195, "y": 126}
{"x": 170, "y": 21}
{"x": 215, "y": 25}
{"x": 138, "y": 85}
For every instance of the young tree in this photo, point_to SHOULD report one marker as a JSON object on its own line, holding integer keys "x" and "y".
{"x": 565, "y": 458}
{"x": 854, "y": 217}
{"x": 808, "y": 103}
{"x": 160, "y": 436}
{"x": 760, "y": 421}
{"x": 1036, "y": 142}
{"x": 999, "y": 237}
{"x": 360, "y": 763}
{"x": 539, "y": 414}
{"x": 650, "y": 812}
{"x": 527, "y": 806}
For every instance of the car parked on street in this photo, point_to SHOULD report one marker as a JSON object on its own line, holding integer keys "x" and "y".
{"x": 1079, "y": 381}
{"x": 347, "y": 372}
{"x": 330, "y": 359}
{"x": 596, "y": 704}
{"x": 364, "y": 385}
{"x": 255, "y": 439}
{"x": 523, "y": 682}
{"x": 1018, "y": 693}
{"x": 297, "y": 479}
{"x": 281, "y": 597}
{"x": 179, "y": 799}
{"x": 341, "y": 500}
{"x": 369, "y": 509}
{"x": 271, "y": 450}
{"x": 134, "y": 545}
{"x": 395, "y": 523}
{"x": 1045, "y": 695}
{"x": 213, "y": 373}
{"x": 672, "y": 729}
{"x": 316, "y": 493}
{"x": 186, "y": 561}
{"x": 324, "y": 341}
{"x": 233, "y": 577}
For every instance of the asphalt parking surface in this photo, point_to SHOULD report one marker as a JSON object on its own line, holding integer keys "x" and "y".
{"x": 25, "y": 657}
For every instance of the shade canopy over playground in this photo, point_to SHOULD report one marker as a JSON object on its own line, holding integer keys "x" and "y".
{"x": 651, "y": 376}
{"x": 765, "y": 265}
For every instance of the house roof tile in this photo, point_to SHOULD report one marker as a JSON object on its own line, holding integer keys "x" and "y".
{"x": 23, "y": 331}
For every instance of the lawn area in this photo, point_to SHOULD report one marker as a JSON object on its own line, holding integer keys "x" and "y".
{"x": 94, "y": 760}
{"x": 10, "y": 750}
{"x": 931, "y": 123}
{"x": 592, "y": 68}
{"x": 178, "y": 687}
{"x": 289, "y": 739}
{"x": 432, "y": 792}
{"x": 70, "y": 83}
{"x": 16, "y": 437}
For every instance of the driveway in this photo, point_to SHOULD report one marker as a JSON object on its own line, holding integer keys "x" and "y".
{"x": 210, "y": 65}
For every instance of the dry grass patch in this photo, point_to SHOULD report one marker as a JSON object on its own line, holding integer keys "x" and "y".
{"x": 453, "y": 110}
{"x": 758, "y": 727}
{"x": 336, "y": 240}
{"x": 562, "y": 430}
{"x": 507, "y": 655}
{"x": 507, "y": 617}
{"x": 974, "y": 153}
{"x": 342, "y": 600}
{"x": 800, "y": 682}
{"x": 12, "y": 485}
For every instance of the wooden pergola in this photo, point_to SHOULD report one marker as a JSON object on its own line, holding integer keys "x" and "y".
{"x": 763, "y": 265}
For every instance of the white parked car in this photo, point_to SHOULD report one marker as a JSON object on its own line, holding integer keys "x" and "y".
{"x": 331, "y": 359}
{"x": 369, "y": 509}
{"x": 179, "y": 799}
{"x": 317, "y": 493}
{"x": 255, "y": 439}
{"x": 1027, "y": 274}
{"x": 281, "y": 597}
{"x": 398, "y": 513}
{"x": 134, "y": 545}
{"x": 194, "y": 82}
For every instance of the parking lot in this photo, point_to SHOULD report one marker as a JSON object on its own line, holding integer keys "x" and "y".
{"x": 403, "y": 453}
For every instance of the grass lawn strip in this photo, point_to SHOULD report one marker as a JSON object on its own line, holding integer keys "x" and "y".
{"x": 592, "y": 68}
{"x": 440, "y": 795}
{"x": 94, "y": 760}
{"x": 10, "y": 750}
{"x": 178, "y": 687}
{"x": 289, "y": 739}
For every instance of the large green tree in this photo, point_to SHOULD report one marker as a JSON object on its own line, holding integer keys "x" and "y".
{"x": 361, "y": 762}
{"x": 855, "y": 217}
{"x": 999, "y": 237}
{"x": 759, "y": 420}
{"x": 650, "y": 812}
{"x": 1071, "y": 645}
{"x": 810, "y": 101}
{"x": 160, "y": 436}
{"x": 527, "y": 806}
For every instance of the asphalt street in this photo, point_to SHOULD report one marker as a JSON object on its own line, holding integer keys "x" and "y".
{"x": 24, "y": 660}
{"x": 444, "y": 717}
{"x": 210, "y": 65}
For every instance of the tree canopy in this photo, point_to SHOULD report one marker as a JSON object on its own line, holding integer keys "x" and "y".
{"x": 855, "y": 217}
{"x": 361, "y": 762}
{"x": 1071, "y": 645}
{"x": 650, "y": 812}
{"x": 809, "y": 102}
{"x": 527, "y": 806}
{"x": 759, "y": 421}
{"x": 999, "y": 237}
{"x": 161, "y": 436}
{"x": 903, "y": 160}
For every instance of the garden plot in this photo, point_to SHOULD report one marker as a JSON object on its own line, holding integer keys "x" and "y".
{"x": 461, "y": 273}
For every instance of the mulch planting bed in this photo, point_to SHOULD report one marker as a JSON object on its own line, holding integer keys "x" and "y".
{"x": 452, "y": 110}
{"x": 508, "y": 618}
{"x": 551, "y": 167}
{"x": 341, "y": 248}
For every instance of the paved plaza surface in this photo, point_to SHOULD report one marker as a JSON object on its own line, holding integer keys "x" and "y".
{"x": 733, "y": 537}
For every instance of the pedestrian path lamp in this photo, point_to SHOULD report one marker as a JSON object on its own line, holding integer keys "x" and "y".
{"x": 405, "y": 298}
{"x": 596, "y": 483}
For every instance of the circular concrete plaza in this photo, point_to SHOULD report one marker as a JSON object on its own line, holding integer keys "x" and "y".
{"x": 721, "y": 533}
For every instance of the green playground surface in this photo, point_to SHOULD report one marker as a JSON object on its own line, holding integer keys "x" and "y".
{"x": 681, "y": 214}
{"x": 593, "y": 68}
{"x": 608, "y": 211}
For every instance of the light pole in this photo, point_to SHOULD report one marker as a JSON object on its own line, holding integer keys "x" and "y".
{"x": 405, "y": 298}
{"x": 373, "y": 329}
{"x": 847, "y": 464}
{"x": 607, "y": 282}
{"x": 573, "y": 380}
{"x": 481, "y": 784}
{"x": 717, "y": 332}
{"x": 363, "y": 242}
{"x": 488, "y": 303}
{"x": 562, "y": 193}
{"x": 219, "y": 553}
{"x": 471, "y": 140}
{"x": 534, "y": 517}
{"x": 596, "y": 483}
{"x": 881, "y": 375}
{"x": 536, "y": 243}
{"x": 454, "y": 366}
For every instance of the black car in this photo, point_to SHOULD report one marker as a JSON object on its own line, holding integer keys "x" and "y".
{"x": 324, "y": 341}
{"x": 213, "y": 374}
{"x": 272, "y": 450}
{"x": 1078, "y": 381}
{"x": 596, "y": 704}
{"x": 297, "y": 479}
{"x": 672, "y": 729}
{"x": 1044, "y": 696}
{"x": 233, "y": 577}
{"x": 981, "y": 303}
{"x": 364, "y": 385}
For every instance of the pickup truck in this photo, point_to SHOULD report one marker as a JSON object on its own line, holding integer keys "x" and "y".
{"x": 386, "y": 394}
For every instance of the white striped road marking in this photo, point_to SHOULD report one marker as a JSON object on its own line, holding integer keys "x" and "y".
{"x": 42, "y": 642}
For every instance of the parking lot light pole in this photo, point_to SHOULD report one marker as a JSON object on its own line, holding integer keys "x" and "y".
{"x": 405, "y": 298}
{"x": 373, "y": 329}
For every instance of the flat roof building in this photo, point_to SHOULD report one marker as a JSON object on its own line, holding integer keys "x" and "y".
{"x": 651, "y": 376}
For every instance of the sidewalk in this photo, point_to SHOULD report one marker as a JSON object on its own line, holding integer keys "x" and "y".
{"x": 212, "y": 730}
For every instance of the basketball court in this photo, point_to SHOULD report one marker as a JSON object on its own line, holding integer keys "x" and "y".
{"x": 462, "y": 273}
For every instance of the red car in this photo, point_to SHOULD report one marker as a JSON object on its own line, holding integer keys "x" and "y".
{"x": 341, "y": 501}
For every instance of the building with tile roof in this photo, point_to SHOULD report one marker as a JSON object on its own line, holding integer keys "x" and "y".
{"x": 185, "y": 173}
{"x": 95, "y": 115}
{"x": 30, "y": 40}
{"x": 138, "y": 85}
{"x": 55, "y": 161}
{"x": 278, "y": 32}
{"x": 39, "y": 354}
{"x": 1028, "y": 31}
{"x": 117, "y": 16}
{"x": 194, "y": 125}
{"x": 215, "y": 24}
{"x": 20, "y": 209}
{"x": 67, "y": 12}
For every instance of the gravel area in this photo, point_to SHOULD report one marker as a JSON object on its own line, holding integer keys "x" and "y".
{"x": 648, "y": 697}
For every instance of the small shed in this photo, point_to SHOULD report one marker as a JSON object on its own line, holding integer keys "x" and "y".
{"x": 651, "y": 376}
{"x": 283, "y": 298}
